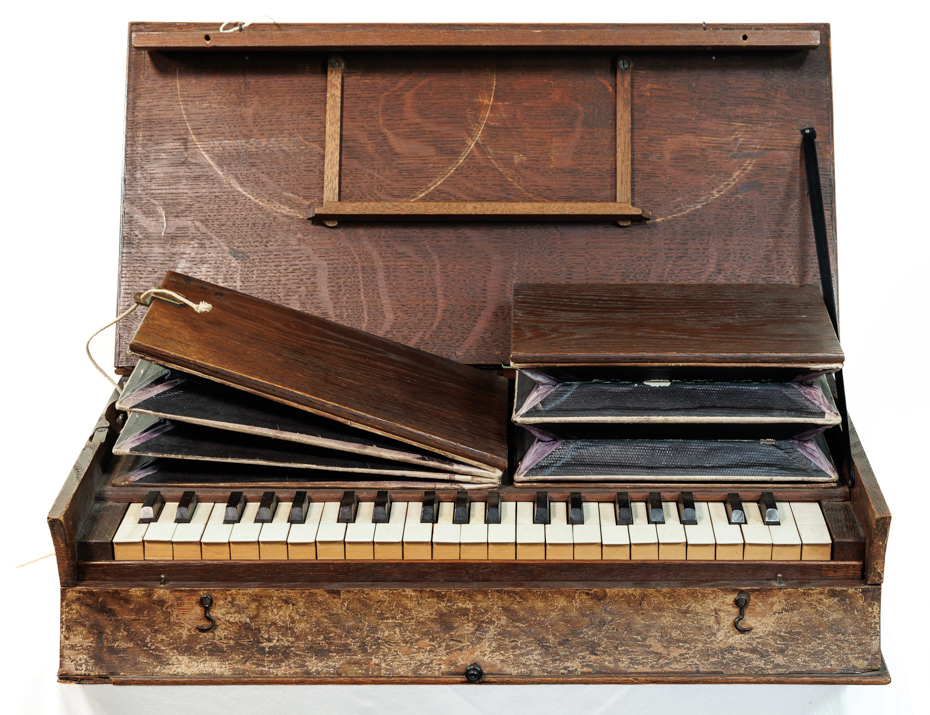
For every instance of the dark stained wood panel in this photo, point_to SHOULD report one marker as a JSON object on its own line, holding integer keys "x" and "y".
{"x": 475, "y": 37}
{"x": 672, "y": 324}
{"x": 224, "y": 155}
{"x": 330, "y": 370}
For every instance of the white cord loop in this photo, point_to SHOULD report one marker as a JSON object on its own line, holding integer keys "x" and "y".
{"x": 144, "y": 299}
{"x": 239, "y": 26}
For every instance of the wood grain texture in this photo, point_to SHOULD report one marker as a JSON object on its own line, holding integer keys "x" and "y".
{"x": 678, "y": 324}
{"x": 225, "y": 151}
{"x": 872, "y": 509}
{"x": 624, "y": 127}
{"x": 425, "y": 634}
{"x": 330, "y": 370}
{"x": 474, "y": 37}
{"x": 331, "y": 160}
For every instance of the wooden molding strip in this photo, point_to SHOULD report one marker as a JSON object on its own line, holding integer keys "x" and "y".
{"x": 333, "y": 151}
{"x": 476, "y": 37}
{"x": 477, "y": 210}
{"x": 624, "y": 130}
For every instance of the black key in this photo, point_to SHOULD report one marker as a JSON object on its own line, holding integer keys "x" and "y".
{"x": 687, "y": 514}
{"x": 186, "y": 508}
{"x": 460, "y": 514}
{"x": 300, "y": 507}
{"x": 234, "y": 506}
{"x": 656, "y": 515}
{"x": 769, "y": 509}
{"x": 735, "y": 512}
{"x": 575, "y": 509}
{"x": 151, "y": 507}
{"x": 266, "y": 508}
{"x": 541, "y": 512}
{"x": 623, "y": 509}
{"x": 429, "y": 514}
{"x": 492, "y": 510}
{"x": 382, "y": 513}
{"x": 348, "y": 507}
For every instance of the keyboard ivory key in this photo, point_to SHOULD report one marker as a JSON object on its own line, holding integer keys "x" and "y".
{"x": 418, "y": 535}
{"x": 786, "y": 541}
{"x": 243, "y": 540}
{"x": 816, "y": 544}
{"x": 272, "y": 542}
{"x": 700, "y": 536}
{"x": 729, "y": 537}
{"x": 389, "y": 536}
{"x": 757, "y": 539}
{"x": 475, "y": 534}
{"x": 531, "y": 537}
{"x": 644, "y": 541}
{"x": 331, "y": 536}
{"x": 186, "y": 540}
{"x": 214, "y": 545}
{"x": 559, "y": 544}
{"x": 360, "y": 534}
{"x": 615, "y": 538}
{"x": 127, "y": 541}
{"x": 159, "y": 534}
{"x": 671, "y": 533}
{"x": 447, "y": 536}
{"x": 587, "y": 535}
{"x": 301, "y": 539}
{"x": 502, "y": 537}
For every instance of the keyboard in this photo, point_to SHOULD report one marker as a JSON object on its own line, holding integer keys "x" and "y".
{"x": 292, "y": 526}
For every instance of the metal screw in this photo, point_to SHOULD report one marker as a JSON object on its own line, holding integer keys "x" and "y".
{"x": 779, "y": 580}
{"x": 474, "y": 673}
{"x": 623, "y": 64}
{"x": 162, "y": 579}
{"x": 334, "y": 62}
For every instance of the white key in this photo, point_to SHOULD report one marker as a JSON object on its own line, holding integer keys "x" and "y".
{"x": 272, "y": 542}
{"x": 301, "y": 538}
{"x": 587, "y": 536}
{"x": 418, "y": 537}
{"x": 127, "y": 541}
{"x": 729, "y": 537}
{"x": 186, "y": 539}
{"x": 475, "y": 533}
{"x": 756, "y": 535}
{"x": 502, "y": 538}
{"x": 672, "y": 541}
{"x": 158, "y": 536}
{"x": 531, "y": 538}
{"x": 644, "y": 541}
{"x": 816, "y": 544}
{"x": 446, "y": 535}
{"x": 786, "y": 541}
{"x": 559, "y": 544}
{"x": 700, "y": 536}
{"x": 360, "y": 534}
{"x": 214, "y": 545}
{"x": 331, "y": 536}
{"x": 389, "y": 537}
{"x": 615, "y": 538}
{"x": 243, "y": 541}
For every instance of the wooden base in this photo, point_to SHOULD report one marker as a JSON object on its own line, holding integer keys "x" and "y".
{"x": 425, "y": 635}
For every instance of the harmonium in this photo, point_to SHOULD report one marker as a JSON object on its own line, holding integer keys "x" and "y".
{"x": 475, "y": 354}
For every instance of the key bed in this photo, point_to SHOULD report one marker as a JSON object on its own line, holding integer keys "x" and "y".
{"x": 270, "y": 529}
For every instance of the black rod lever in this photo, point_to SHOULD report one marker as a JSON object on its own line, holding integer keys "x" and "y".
{"x": 819, "y": 221}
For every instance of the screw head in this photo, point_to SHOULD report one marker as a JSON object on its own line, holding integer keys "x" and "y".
{"x": 334, "y": 62}
{"x": 474, "y": 673}
{"x": 623, "y": 64}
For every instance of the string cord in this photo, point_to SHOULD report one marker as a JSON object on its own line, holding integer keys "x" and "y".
{"x": 239, "y": 26}
{"x": 142, "y": 299}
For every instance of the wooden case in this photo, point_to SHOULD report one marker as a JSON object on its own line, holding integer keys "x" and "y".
{"x": 401, "y": 180}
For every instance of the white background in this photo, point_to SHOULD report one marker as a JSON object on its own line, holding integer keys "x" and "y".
{"x": 63, "y": 82}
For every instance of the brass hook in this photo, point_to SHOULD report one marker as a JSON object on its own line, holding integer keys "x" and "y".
{"x": 207, "y": 602}
{"x": 742, "y": 600}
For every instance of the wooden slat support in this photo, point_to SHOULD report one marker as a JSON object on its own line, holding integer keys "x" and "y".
{"x": 476, "y": 37}
{"x": 624, "y": 132}
{"x": 478, "y": 211}
{"x": 331, "y": 161}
